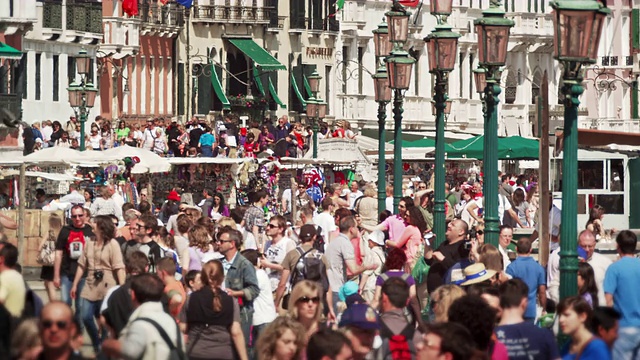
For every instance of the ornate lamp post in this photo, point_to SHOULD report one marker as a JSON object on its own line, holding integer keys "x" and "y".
{"x": 399, "y": 65}
{"x": 493, "y": 37}
{"x": 82, "y": 96}
{"x": 577, "y": 29}
{"x": 383, "y": 97}
{"x": 313, "y": 108}
{"x": 442, "y": 46}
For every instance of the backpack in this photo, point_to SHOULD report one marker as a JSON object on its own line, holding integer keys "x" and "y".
{"x": 175, "y": 352}
{"x": 397, "y": 346}
{"x": 47, "y": 254}
{"x": 308, "y": 268}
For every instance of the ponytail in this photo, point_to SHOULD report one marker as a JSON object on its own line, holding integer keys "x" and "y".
{"x": 217, "y": 303}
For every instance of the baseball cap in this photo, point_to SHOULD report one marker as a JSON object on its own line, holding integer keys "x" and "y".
{"x": 361, "y": 316}
{"x": 308, "y": 230}
{"x": 349, "y": 288}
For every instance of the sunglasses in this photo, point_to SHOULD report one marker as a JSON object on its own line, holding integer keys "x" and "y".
{"x": 480, "y": 232}
{"x": 271, "y": 226}
{"x": 76, "y": 216}
{"x": 306, "y": 299}
{"x": 60, "y": 324}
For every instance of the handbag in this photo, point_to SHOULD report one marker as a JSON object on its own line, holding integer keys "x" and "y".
{"x": 47, "y": 254}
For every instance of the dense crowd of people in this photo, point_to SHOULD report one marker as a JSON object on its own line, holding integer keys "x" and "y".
{"x": 225, "y": 137}
{"x": 339, "y": 279}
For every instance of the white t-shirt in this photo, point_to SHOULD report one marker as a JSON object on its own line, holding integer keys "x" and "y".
{"x": 327, "y": 223}
{"x": 276, "y": 253}
{"x": 503, "y": 205}
{"x": 352, "y": 198}
{"x": 388, "y": 203}
{"x": 553, "y": 275}
{"x": 600, "y": 263}
{"x": 286, "y": 197}
{"x": 265, "y": 310}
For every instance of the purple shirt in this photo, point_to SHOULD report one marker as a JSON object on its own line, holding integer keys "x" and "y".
{"x": 395, "y": 273}
{"x": 395, "y": 225}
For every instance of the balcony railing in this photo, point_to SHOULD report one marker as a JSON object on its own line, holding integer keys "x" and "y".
{"x": 331, "y": 24}
{"x": 168, "y": 15}
{"x": 298, "y": 22}
{"x": 85, "y": 17}
{"x": 12, "y": 102}
{"x": 231, "y": 14}
{"x": 52, "y": 14}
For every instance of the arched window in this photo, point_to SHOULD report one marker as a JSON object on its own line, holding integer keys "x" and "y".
{"x": 511, "y": 87}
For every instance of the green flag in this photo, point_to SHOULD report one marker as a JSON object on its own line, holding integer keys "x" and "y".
{"x": 339, "y": 5}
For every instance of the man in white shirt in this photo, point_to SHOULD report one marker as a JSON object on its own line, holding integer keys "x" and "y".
{"x": 553, "y": 276}
{"x": 555, "y": 217}
{"x": 325, "y": 220}
{"x": 276, "y": 249}
{"x": 599, "y": 262}
{"x": 73, "y": 197}
{"x": 388, "y": 202}
{"x": 505, "y": 246}
{"x": 149, "y": 136}
{"x": 354, "y": 194}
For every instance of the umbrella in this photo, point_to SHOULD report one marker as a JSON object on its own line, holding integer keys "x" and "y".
{"x": 513, "y": 147}
{"x": 149, "y": 161}
{"x": 421, "y": 143}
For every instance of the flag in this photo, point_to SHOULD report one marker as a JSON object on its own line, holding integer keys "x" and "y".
{"x": 410, "y": 3}
{"x": 185, "y": 3}
{"x": 130, "y": 7}
{"x": 164, "y": 2}
{"x": 339, "y": 5}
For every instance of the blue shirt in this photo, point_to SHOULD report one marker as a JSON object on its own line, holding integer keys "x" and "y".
{"x": 621, "y": 280}
{"x": 528, "y": 270}
{"x": 525, "y": 341}
{"x": 595, "y": 350}
{"x": 207, "y": 139}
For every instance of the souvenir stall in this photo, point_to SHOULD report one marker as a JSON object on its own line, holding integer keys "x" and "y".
{"x": 193, "y": 175}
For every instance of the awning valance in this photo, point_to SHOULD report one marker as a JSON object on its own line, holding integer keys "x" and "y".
{"x": 8, "y": 52}
{"x": 274, "y": 95}
{"x": 260, "y": 56}
{"x": 217, "y": 87}
{"x": 294, "y": 84}
{"x": 258, "y": 80}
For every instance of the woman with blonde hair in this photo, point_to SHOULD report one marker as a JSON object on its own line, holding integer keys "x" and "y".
{"x": 283, "y": 339}
{"x": 367, "y": 206}
{"x": 199, "y": 248}
{"x": 211, "y": 319}
{"x": 305, "y": 305}
{"x": 441, "y": 300}
{"x": 25, "y": 341}
{"x": 46, "y": 254}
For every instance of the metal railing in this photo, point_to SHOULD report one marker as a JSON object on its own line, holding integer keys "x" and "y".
{"x": 52, "y": 14}
{"x": 223, "y": 13}
{"x": 167, "y": 15}
{"x": 85, "y": 17}
{"x": 12, "y": 102}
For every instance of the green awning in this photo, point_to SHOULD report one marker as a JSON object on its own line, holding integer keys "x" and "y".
{"x": 256, "y": 78}
{"x": 274, "y": 95}
{"x": 509, "y": 148}
{"x": 297, "y": 91}
{"x": 217, "y": 87}
{"x": 7, "y": 52}
{"x": 259, "y": 55}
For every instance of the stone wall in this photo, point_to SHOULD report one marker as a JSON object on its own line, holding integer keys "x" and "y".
{"x": 36, "y": 226}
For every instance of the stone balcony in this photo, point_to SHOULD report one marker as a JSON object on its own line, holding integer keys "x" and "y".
{"x": 159, "y": 20}
{"x": 232, "y": 14}
{"x": 84, "y": 22}
{"x": 362, "y": 112}
{"x": 611, "y": 124}
{"x": 532, "y": 31}
{"x": 17, "y": 15}
{"x": 121, "y": 36}
{"x": 354, "y": 16}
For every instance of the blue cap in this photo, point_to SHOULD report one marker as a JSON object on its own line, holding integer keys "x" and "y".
{"x": 361, "y": 316}
{"x": 349, "y": 288}
{"x": 582, "y": 253}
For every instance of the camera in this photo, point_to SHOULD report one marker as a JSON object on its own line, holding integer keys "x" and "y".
{"x": 98, "y": 275}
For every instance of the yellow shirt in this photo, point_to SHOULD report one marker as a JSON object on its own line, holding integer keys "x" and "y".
{"x": 12, "y": 291}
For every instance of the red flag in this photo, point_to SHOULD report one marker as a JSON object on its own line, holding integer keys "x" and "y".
{"x": 130, "y": 7}
{"x": 164, "y": 2}
{"x": 410, "y": 3}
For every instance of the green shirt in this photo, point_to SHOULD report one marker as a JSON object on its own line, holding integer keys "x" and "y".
{"x": 122, "y": 133}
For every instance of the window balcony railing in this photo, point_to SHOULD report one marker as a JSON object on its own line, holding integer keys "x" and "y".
{"x": 11, "y": 102}
{"x": 85, "y": 16}
{"x": 167, "y": 15}
{"x": 231, "y": 14}
{"x": 52, "y": 14}
{"x": 298, "y": 22}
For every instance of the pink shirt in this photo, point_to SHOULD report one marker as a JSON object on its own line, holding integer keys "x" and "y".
{"x": 396, "y": 225}
{"x": 411, "y": 239}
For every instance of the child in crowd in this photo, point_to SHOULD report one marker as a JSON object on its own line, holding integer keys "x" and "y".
{"x": 193, "y": 281}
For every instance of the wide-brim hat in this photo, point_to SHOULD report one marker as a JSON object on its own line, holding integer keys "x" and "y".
{"x": 476, "y": 273}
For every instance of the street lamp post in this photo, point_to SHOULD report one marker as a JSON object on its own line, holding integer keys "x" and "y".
{"x": 82, "y": 96}
{"x": 399, "y": 65}
{"x": 383, "y": 97}
{"x": 442, "y": 46}
{"x": 493, "y": 37}
{"x": 316, "y": 108}
{"x": 577, "y": 29}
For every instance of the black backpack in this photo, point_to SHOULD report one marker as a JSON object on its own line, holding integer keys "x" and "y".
{"x": 175, "y": 352}
{"x": 308, "y": 268}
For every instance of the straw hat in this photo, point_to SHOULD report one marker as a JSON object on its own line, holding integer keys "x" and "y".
{"x": 476, "y": 273}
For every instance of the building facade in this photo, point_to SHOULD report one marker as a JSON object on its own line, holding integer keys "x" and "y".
{"x": 63, "y": 29}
